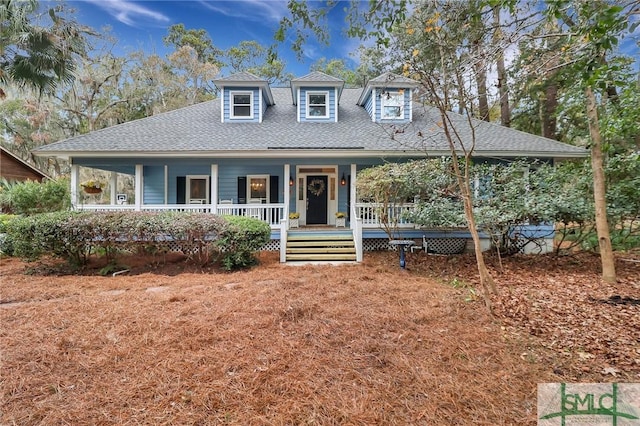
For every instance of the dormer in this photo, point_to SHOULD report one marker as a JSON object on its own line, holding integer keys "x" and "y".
{"x": 317, "y": 97}
{"x": 388, "y": 99}
{"x": 244, "y": 98}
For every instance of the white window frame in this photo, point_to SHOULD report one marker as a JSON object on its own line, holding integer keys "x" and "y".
{"x": 326, "y": 104}
{"x": 189, "y": 198}
{"x": 232, "y": 104}
{"x": 268, "y": 184}
{"x": 392, "y": 99}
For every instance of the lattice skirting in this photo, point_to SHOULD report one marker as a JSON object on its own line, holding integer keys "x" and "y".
{"x": 446, "y": 245}
{"x": 272, "y": 245}
{"x": 436, "y": 245}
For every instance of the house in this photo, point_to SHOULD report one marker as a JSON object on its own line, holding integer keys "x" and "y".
{"x": 265, "y": 152}
{"x": 14, "y": 168}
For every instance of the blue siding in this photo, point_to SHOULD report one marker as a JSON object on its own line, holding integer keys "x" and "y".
{"x": 153, "y": 178}
{"x": 331, "y": 105}
{"x": 227, "y": 104}
{"x": 264, "y": 104}
{"x": 368, "y": 104}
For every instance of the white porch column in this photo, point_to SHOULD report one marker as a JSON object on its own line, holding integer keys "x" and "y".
{"x": 75, "y": 176}
{"x": 138, "y": 187}
{"x": 214, "y": 188}
{"x": 352, "y": 195}
{"x": 113, "y": 184}
{"x": 166, "y": 184}
{"x": 287, "y": 190}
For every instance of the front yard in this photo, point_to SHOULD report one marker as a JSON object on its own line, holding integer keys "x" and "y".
{"x": 349, "y": 344}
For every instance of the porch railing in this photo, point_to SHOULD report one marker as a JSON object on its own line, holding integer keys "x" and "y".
{"x": 370, "y": 213}
{"x": 373, "y": 213}
{"x": 270, "y": 213}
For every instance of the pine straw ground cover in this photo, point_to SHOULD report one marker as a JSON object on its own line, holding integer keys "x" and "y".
{"x": 278, "y": 345}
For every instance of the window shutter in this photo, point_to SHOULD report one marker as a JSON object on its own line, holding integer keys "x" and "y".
{"x": 181, "y": 189}
{"x": 273, "y": 189}
{"x": 242, "y": 190}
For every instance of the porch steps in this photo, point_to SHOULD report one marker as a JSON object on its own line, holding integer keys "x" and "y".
{"x": 321, "y": 246}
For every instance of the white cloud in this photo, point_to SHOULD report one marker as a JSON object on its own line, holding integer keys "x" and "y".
{"x": 255, "y": 10}
{"x": 130, "y": 13}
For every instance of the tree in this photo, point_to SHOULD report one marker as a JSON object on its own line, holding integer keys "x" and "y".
{"x": 38, "y": 56}
{"x": 178, "y": 36}
{"x": 251, "y": 56}
{"x": 595, "y": 28}
{"x": 437, "y": 49}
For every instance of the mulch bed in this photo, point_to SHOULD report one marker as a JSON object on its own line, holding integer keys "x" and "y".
{"x": 315, "y": 344}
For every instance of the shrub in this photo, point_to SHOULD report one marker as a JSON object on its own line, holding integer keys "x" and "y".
{"x": 6, "y": 247}
{"x": 31, "y": 197}
{"x": 74, "y": 235}
{"x": 240, "y": 239}
{"x": 49, "y": 233}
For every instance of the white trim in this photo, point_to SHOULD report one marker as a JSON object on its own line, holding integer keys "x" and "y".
{"x": 187, "y": 193}
{"x": 327, "y": 105}
{"x": 259, "y": 107}
{"x": 298, "y": 103}
{"x": 113, "y": 178}
{"x": 352, "y": 192}
{"x": 336, "y": 103}
{"x": 232, "y": 116}
{"x": 166, "y": 184}
{"x": 332, "y": 205}
{"x": 287, "y": 189}
{"x": 337, "y": 153}
{"x": 75, "y": 180}
{"x": 392, "y": 99}
{"x": 214, "y": 186}
{"x": 410, "y": 105}
{"x": 139, "y": 182}
{"x": 222, "y": 105}
{"x": 375, "y": 105}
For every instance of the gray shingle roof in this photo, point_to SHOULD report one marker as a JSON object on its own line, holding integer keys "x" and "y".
{"x": 197, "y": 130}
{"x": 316, "y": 77}
{"x": 242, "y": 76}
{"x": 389, "y": 77}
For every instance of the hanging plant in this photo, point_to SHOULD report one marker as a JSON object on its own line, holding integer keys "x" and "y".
{"x": 316, "y": 187}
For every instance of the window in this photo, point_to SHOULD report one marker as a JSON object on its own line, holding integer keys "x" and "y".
{"x": 258, "y": 188}
{"x": 198, "y": 189}
{"x": 392, "y": 105}
{"x": 241, "y": 104}
{"x": 317, "y": 105}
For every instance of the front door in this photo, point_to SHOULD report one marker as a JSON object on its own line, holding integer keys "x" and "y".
{"x": 317, "y": 200}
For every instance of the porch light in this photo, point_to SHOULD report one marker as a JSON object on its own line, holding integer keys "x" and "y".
{"x": 290, "y": 180}
{"x": 343, "y": 180}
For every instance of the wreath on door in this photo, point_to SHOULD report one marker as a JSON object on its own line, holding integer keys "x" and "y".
{"x": 316, "y": 187}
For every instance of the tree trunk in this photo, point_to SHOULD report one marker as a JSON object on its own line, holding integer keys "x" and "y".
{"x": 550, "y": 107}
{"x": 599, "y": 191}
{"x": 505, "y": 112}
{"x": 481, "y": 83}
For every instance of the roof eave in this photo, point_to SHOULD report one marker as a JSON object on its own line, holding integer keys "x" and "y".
{"x": 296, "y": 153}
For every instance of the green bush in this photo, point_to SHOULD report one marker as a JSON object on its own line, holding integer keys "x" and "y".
{"x": 5, "y": 243}
{"x": 73, "y": 236}
{"x": 31, "y": 197}
{"x": 240, "y": 239}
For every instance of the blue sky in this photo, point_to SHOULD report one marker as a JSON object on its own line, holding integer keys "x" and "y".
{"x": 142, "y": 25}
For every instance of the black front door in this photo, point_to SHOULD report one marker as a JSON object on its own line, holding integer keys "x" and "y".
{"x": 317, "y": 200}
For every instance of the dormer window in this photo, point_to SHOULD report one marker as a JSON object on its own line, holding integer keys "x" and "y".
{"x": 392, "y": 105}
{"x": 241, "y": 104}
{"x": 317, "y": 105}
